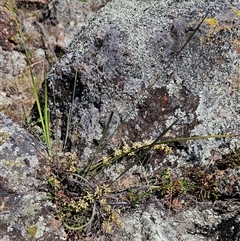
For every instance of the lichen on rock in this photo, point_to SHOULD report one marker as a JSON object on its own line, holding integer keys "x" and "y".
{"x": 117, "y": 56}
{"x": 130, "y": 55}
{"x": 24, "y": 206}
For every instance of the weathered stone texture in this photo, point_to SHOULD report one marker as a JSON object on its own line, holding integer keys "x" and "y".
{"x": 131, "y": 44}
{"x": 128, "y": 55}
{"x": 25, "y": 212}
{"x": 8, "y": 28}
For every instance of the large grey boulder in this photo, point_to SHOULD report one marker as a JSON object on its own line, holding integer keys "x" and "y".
{"x": 128, "y": 55}
{"x": 131, "y": 44}
{"x": 25, "y": 211}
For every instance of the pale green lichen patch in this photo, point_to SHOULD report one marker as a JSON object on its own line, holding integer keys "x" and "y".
{"x": 30, "y": 218}
{"x": 37, "y": 230}
{"x": 26, "y": 218}
{"x": 18, "y": 163}
{"x": 31, "y": 210}
{"x": 3, "y": 137}
{"x": 41, "y": 224}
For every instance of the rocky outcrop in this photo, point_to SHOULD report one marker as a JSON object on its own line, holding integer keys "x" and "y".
{"x": 130, "y": 50}
{"x": 151, "y": 63}
{"x": 25, "y": 211}
{"x": 48, "y": 28}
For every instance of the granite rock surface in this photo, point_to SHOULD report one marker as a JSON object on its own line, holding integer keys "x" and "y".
{"x": 25, "y": 211}
{"x": 127, "y": 58}
{"x": 151, "y": 63}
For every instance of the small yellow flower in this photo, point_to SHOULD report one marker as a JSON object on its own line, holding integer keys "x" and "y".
{"x": 103, "y": 201}
{"x": 147, "y": 142}
{"x": 131, "y": 153}
{"x": 121, "y": 224}
{"x": 117, "y": 169}
{"x": 105, "y": 159}
{"x": 157, "y": 147}
{"x": 90, "y": 197}
{"x": 136, "y": 145}
{"x": 106, "y": 188}
{"x": 117, "y": 152}
{"x": 163, "y": 147}
{"x": 83, "y": 204}
{"x": 54, "y": 182}
{"x": 98, "y": 192}
{"x": 72, "y": 157}
{"x": 118, "y": 222}
{"x": 106, "y": 226}
{"x": 168, "y": 150}
{"x": 72, "y": 169}
{"x": 107, "y": 208}
{"x": 126, "y": 148}
{"x": 118, "y": 211}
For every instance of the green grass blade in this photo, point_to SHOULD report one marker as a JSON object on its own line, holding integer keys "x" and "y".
{"x": 100, "y": 145}
{"x": 194, "y": 138}
{"x": 47, "y": 120}
{"x": 146, "y": 151}
{"x": 70, "y": 111}
{"x": 34, "y": 86}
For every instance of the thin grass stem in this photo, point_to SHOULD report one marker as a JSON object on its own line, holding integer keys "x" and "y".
{"x": 44, "y": 116}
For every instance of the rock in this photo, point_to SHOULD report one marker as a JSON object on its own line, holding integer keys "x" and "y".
{"x": 25, "y": 211}
{"x": 8, "y": 27}
{"x": 65, "y": 19}
{"x": 98, "y": 4}
{"x": 128, "y": 56}
{"x": 120, "y": 54}
{"x": 4, "y": 102}
{"x": 12, "y": 63}
{"x": 46, "y": 41}
{"x": 49, "y": 27}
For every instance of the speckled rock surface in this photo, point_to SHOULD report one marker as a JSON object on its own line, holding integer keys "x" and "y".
{"x": 25, "y": 212}
{"x": 131, "y": 49}
{"x": 120, "y": 53}
{"x": 203, "y": 222}
{"x": 49, "y": 26}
